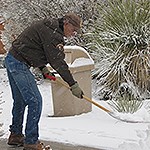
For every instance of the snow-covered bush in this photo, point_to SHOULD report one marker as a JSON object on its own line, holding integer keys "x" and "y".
{"x": 123, "y": 35}
{"x": 122, "y": 40}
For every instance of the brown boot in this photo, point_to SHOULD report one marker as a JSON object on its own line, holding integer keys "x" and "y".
{"x": 38, "y": 146}
{"x": 16, "y": 139}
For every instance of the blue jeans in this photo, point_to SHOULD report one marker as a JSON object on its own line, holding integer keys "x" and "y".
{"x": 24, "y": 93}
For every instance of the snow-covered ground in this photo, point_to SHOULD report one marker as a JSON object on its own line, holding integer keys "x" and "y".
{"x": 95, "y": 129}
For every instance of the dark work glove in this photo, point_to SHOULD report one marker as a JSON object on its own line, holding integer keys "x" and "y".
{"x": 47, "y": 74}
{"x": 76, "y": 90}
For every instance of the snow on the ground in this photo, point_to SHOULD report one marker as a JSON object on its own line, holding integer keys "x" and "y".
{"x": 95, "y": 129}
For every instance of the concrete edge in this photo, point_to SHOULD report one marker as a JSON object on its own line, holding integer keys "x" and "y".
{"x": 54, "y": 146}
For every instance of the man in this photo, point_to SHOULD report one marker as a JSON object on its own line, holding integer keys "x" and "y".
{"x": 36, "y": 46}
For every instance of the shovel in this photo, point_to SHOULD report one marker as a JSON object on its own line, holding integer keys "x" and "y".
{"x": 115, "y": 115}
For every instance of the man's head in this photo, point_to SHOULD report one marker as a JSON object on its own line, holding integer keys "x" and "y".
{"x": 72, "y": 24}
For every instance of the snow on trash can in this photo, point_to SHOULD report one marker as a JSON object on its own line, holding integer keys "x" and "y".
{"x": 80, "y": 64}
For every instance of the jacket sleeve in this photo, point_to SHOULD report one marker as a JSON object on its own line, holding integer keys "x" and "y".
{"x": 55, "y": 57}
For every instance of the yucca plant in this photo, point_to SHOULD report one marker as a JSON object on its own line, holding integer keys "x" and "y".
{"x": 126, "y": 100}
{"x": 124, "y": 32}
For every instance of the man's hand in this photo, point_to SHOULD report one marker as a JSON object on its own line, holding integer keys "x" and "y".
{"x": 47, "y": 74}
{"x": 76, "y": 90}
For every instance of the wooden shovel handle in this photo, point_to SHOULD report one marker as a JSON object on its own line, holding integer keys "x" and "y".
{"x": 96, "y": 104}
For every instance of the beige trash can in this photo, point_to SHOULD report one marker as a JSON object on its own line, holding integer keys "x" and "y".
{"x": 80, "y": 64}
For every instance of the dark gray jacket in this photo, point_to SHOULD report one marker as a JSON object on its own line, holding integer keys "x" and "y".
{"x": 37, "y": 46}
